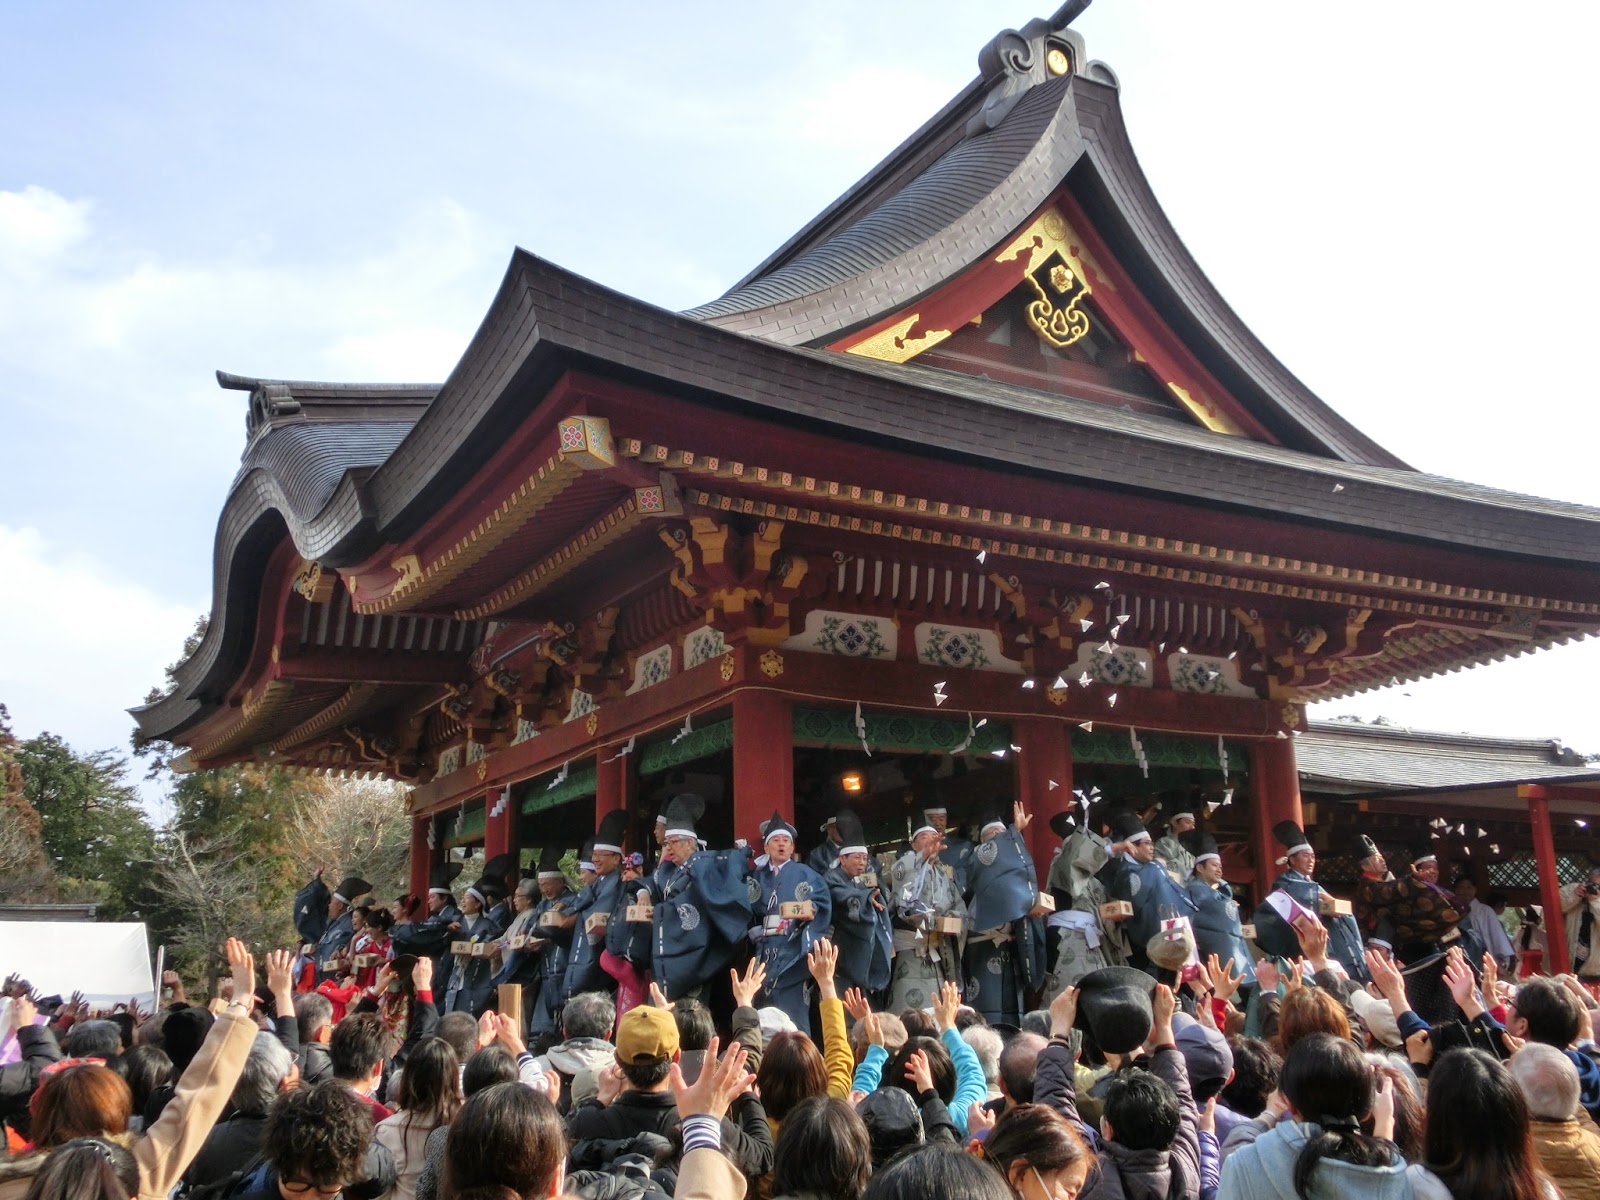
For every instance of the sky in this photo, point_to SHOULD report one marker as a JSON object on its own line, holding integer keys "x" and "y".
{"x": 1401, "y": 210}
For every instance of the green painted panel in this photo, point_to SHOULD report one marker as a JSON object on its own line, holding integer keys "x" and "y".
{"x": 698, "y": 743}
{"x": 538, "y": 796}
{"x": 899, "y": 731}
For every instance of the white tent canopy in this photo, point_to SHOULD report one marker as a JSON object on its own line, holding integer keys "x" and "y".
{"x": 109, "y": 962}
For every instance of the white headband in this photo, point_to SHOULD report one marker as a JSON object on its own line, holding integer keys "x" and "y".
{"x": 611, "y": 849}
{"x": 776, "y": 831}
{"x": 1183, "y": 816}
{"x": 585, "y": 866}
{"x": 843, "y": 850}
{"x": 344, "y": 899}
{"x": 439, "y": 891}
{"x": 921, "y": 829}
{"x": 551, "y": 875}
{"x": 677, "y": 833}
{"x": 472, "y": 891}
{"x": 1207, "y": 858}
{"x": 1142, "y": 836}
{"x": 1293, "y": 850}
{"x": 991, "y": 825}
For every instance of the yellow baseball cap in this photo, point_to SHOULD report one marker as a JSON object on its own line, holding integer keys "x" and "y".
{"x": 646, "y": 1034}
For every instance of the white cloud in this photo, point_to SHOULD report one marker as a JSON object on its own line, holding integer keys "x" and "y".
{"x": 37, "y": 225}
{"x": 77, "y": 641}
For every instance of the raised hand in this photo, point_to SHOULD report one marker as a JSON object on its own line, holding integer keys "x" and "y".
{"x": 609, "y": 1082}
{"x": 856, "y": 1004}
{"x": 1267, "y": 975}
{"x": 243, "y": 965}
{"x": 422, "y": 974}
{"x": 1020, "y": 817}
{"x": 1162, "y": 1005}
{"x": 715, "y": 1089}
{"x": 23, "y": 1010}
{"x": 1064, "y": 1012}
{"x": 509, "y": 1036}
{"x": 280, "y": 972}
{"x": 919, "y": 1072}
{"x": 486, "y": 1028}
{"x": 979, "y": 1119}
{"x": 1419, "y": 1048}
{"x": 1313, "y": 935}
{"x": 747, "y": 987}
{"x": 821, "y": 961}
{"x": 1463, "y": 987}
{"x": 1388, "y": 981}
{"x": 658, "y": 998}
{"x": 945, "y": 1005}
{"x": 1223, "y": 979}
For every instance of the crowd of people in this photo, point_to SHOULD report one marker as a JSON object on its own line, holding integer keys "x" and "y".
{"x": 821, "y": 1028}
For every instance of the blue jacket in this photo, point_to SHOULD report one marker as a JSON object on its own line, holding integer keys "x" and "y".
{"x": 1258, "y": 1164}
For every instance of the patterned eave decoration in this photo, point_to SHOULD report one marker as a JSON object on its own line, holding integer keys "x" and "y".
{"x": 583, "y": 444}
{"x": 345, "y": 708}
{"x": 256, "y": 711}
{"x": 1072, "y": 532}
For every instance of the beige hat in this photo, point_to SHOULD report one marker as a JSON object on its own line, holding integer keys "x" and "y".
{"x": 1377, "y": 1016}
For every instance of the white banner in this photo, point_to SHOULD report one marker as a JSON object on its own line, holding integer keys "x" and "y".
{"x": 108, "y": 962}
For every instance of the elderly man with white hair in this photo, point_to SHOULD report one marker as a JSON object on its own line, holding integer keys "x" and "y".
{"x": 1568, "y": 1150}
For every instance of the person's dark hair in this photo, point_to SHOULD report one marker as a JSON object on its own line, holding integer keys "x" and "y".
{"x": 461, "y": 1031}
{"x": 893, "y": 1123}
{"x": 919, "y": 1023}
{"x": 1037, "y": 1021}
{"x": 1255, "y": 1077}
{"x": 1550, "y": 1010}
{"x": 1479, "y": 1142}
{"x": 646, "y": 1074}
{"x": 86, "y": 1169}
{"x": 1309, "y": 1010}
{"x": 181, "y": 1035}
{"x": 791, "y": 1071}
{"x": 1036, "y": 1135}
{"x": 1329, "y": 1083}
{"x": 93, "y": 1039}
{"x": 359, "y": 1044}
{"x": 822, "y": 1149}
{"x": 380, "y": 920}
{"x": 312, "y": 1011}
{"x": 487, "y": 1067}
{"x": 318, "y": 1135}
{"x": 80, "y": 1102}
{"x": 1019, "y": 1062}
{"x": 695, "y": 1027}
{"x": 1142, "y": 1110}
{"x": 966, "y": 1018}
{"x": 145, "y": 1068}
{"x": 589, "y": 1014}
{"x": 938, "y": 1170}
{"x": 265, "y": 1068}
{"x": 429, "y": 1092}
{"x": 939, "y": 1066}
{"x": 507, "y": 1138}
{"x": 1495, "y": 899}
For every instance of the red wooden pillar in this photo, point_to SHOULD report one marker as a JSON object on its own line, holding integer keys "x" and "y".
{"x": 499, "y": 823}
{"x": 1557, "y": 955}
{"x": 1044, "y": 780}
{"x": 763, "y": 761}
{"x": 421, "y": 856}
{"x": 1274, "y": 796}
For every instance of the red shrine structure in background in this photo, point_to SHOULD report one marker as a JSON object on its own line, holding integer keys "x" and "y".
{"x": 974, "y": 489}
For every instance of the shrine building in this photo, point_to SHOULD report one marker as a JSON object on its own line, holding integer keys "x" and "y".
{"x": 975, "y": 489}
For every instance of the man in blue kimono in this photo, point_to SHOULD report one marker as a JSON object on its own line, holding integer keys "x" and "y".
{"x": 702, "y": 906}
{"x": 954, "y": 850}
{"x": 1144, "y": 883}
{"x": 323, "y": 921}
{"x": 602, "y": 897}
{"x": 471, "y": 986}
{"x": 1005, "y": 950}
{"x": 1276, "y": 936}
{"x": 861, "y": 928}
{"x": 1217, "y": 929}
{"x": 826, "y": 856}
{"x": 431, "y": 936}
{"x": 923, "y": 898}
{"x": 506, "y": 870}
{"x": 783, "y": 941}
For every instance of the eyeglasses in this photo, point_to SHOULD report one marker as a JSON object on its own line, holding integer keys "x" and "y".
{"x": 296, "y": 1188}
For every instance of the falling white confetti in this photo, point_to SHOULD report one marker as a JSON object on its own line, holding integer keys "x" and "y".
{"x": 1482, "y": 832}
{"x": 982, "y": 721}
{"x": 1211, "y": 806}
{"x": 1112, "y": 699}
{"x": 1338, "y": 487}
{"x": 1283, "y": 735}
{"x": 1580, "y": 823}
{"x": 1016, "y": 749}
{"x": 1466, "y": 849}
{"x": 998, "y": 753}
{"x": 1086, "y": 726}
{"x": 1085, "y": 624}
{"x": 939, "y": 698}
{"x": 982, "y": 554}
{"x": 1053, "y": 786}
{"x": 939, "y": 687}
{"x": 1494, "y": 847}
{"x": 1085, "y": 679}
{"x": 1102, "y": 586}
{"x": 1227, "y": 798}
{"x": 1232, "y": 654}
{"x": 1027, "y": 683}
{"x": 1060, "y": 684}
{"x": 1183, "y": 649}
{"x": 1123, "y": 618}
